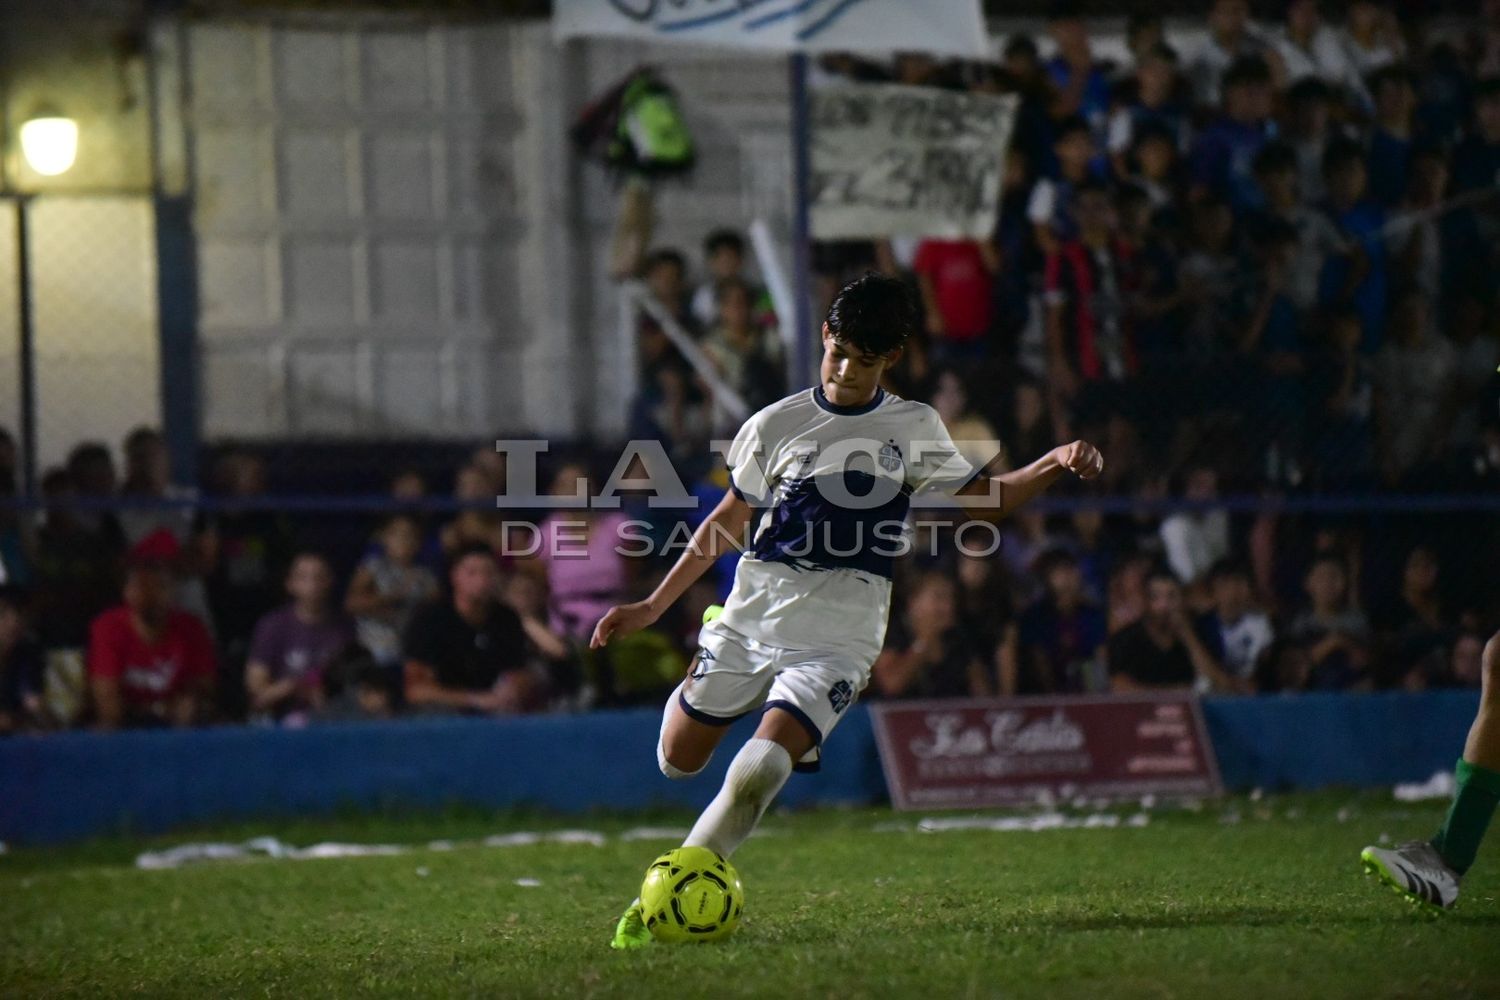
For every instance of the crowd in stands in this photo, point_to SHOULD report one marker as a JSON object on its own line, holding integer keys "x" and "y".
{"x": 1258, "y": 262}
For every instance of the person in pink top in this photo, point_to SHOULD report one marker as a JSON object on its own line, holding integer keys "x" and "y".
{"x": 586, "y": 576}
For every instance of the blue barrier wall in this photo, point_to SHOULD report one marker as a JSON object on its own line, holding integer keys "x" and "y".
{"x": 67, "y": 786}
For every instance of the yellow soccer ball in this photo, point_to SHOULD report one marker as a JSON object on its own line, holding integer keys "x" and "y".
{"x": 692, "y": 894}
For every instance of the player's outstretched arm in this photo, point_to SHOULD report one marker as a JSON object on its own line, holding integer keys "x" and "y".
{"x": 723, "y": 529}
{"x": 997, "y": 496}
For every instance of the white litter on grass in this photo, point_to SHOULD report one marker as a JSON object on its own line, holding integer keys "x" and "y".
{"x": 1029, "y": 824}
{"x": 1439, "y": 786}
{"x": 653, "y": 833}
{"x": 3, "y": 848}
{"x": 267, "y": 847}
{"x": 423, "y": 872}
{"x": 528, "y": 883}
{"x": 271, "y": 847}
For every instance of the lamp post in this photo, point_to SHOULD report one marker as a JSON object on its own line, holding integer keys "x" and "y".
{"x": 49, "y": 143}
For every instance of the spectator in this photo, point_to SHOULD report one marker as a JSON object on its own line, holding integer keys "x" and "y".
{"x": 926, "y": 654}
{"x": 976, "y": 439}
{"x": 1361, "y": 278}
{"x": 1393, "y": 134}
{"x": 1412, "y": 377}
{"x": 1212, "y": 275}
{"x": 293, "y": 645}
{"x": 1027, "y": 431}
{"x": 1237, "y": 633}
{"x": 1154, "y": 165}
{"x": 1335, "y": 634}
{"x": 1090, "y": 356}
{"x": 1062, "y": 636}
{"x": 580, "y": 557}
{"x": 478, "y": 523}
{"x": 1196, "y": 539}
{"x": 986, "y": 611}
{"x": 956, "y": 279}
{"x": 1308, "y": 48}
{"x": 21, "y": 668}
{"x": 246, "y": 550}
{"x": 1223, "y": 153}
{"x": 526, "y": 595}
{"x": 388, "y": 587}
{"x": 670, "y": 404}
{"x": 1273, "y": 343}
{"x": 1371, "y": 37}
{"x": 1476, "y": 159}
{"x": 1231, "y": 37}
{"x": 747, "y": 354}
{"x": 1415, "y": 622}
{"x": 356, "y": 688}
{"x": 1283, "y": 668}
{"x": 149, "y": 663}
{"x": 1051, "y": 206}
{"x": 1093, "y": 550}
{"x": 76, "y": 566}
{"x": 1151, "y": 103}
{"x": 723, "y": 260}
{"x": 1125, "y": 599}
{"x": 1144, "y": 32}
{"x": 1317, "y": 238}
{"x": 1079, "y": 84}
{"x": 1343, "y": 394}
{"x": 468, "y": 652}
{"x": 148, "y": 477}
{"x": 1161, "y": 651}
{"x": 1309, "y": 111}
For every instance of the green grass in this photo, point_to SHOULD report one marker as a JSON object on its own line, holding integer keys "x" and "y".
{"x": 1188, "y": 906}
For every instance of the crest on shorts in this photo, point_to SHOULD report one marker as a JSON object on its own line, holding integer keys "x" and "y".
{"x": 840, "y": 696}
{"x": 890, "y": 457}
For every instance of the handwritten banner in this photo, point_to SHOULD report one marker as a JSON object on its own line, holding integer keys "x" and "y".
{"x": 942, "y": 27}
{"x": 1012, "y": 751}
{"x": 889, "y": 160}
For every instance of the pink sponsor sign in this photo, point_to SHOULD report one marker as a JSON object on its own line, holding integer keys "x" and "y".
{"x": 1010, "y": 751}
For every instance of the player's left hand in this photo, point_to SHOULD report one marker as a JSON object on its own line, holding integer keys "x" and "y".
{"x": 1080, "y": 458}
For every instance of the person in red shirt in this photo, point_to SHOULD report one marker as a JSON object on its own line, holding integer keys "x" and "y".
{"x": 149, "y": 663}
{"x": 957, "y": 279}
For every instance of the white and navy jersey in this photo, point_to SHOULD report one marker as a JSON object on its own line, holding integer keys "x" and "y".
{"x": 832, "y": 486}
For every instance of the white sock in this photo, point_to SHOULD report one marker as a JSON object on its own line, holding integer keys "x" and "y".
{"x": 755, "y": 776}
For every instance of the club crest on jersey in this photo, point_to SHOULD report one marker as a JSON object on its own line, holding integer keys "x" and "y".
{"x": 890, "y": 457}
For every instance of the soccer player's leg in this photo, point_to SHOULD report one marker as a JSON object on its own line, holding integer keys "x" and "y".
{"x": 1430, "y": 871}
{"x": 725, "y": 682}
{"x": 805, "y": 703}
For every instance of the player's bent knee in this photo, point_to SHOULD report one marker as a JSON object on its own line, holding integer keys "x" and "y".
{"x": 676, "y": 764}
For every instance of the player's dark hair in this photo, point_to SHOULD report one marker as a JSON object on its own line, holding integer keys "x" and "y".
{"x": 723, "y": 239}
{"x": 873, "y": 313}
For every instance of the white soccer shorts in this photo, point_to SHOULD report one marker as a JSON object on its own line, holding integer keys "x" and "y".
{"x": 735, "y": 675}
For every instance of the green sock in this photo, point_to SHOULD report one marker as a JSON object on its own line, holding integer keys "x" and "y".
{"x": 1463, "y": 828}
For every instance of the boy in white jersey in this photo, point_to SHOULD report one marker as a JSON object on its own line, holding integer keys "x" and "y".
{"x": 828, "y": 474}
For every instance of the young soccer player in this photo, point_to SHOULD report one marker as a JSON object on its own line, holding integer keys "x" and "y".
{"x": 1430, "y": 871}
{"x": 828, "y": 474}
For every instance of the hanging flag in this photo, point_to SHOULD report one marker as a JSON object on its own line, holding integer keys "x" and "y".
{"x": 940, "y": 27}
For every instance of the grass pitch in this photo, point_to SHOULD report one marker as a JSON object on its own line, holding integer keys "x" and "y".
{"x": 1240, "y": 898}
